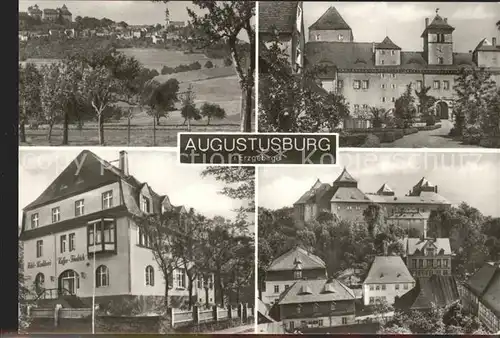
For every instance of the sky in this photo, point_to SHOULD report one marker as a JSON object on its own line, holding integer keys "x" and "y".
{"x": 183, "y": 185}
{"x": 404, "y": 22}
{"x": 461, "y": 177}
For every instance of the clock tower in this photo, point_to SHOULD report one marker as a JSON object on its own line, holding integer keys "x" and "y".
{"x": 438, "y": 42}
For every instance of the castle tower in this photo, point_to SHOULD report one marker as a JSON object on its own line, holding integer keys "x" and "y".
{"x": 331, "y": 27}
{"x": 423, "y": 185}
{"x": 345, "y": 180}
{"x": 385, "y": 190}
{"x": 387, "y": 53}
{"x": 438, "y": 41}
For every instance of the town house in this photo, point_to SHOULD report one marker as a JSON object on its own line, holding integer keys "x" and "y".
{"x": 317, "y": 303}
{"x": 86, "y": 213}
{"x": 293, "y": 265}
{"x": 375, "y": 74}
{"x": 428, "y": 256}
{"x": 480, "y": 294}
{"x": 387, "y": 279}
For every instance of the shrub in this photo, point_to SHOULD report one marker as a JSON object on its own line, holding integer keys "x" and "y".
{"x": 472, "y": 135}
{"x": 354, "y": 140}
{"x": 409, "y": 131}
{"x": 209, "y": 64}
{"x": 430, "y": 120}
{"x": 167, "y": 70}
{"x": 490, "y": 142}
{"x": 228, "y": 62}
{"x": 455, "y": 132}
{"x": 195, "y": 66}
{"x": 388, "y": 137}
{"x": 371, "y": 141}
{"x": 398, "y": 134}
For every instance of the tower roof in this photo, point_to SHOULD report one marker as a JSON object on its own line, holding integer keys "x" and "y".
{"x": 438, "y": 24}
{"x": 387, "y": 44}
{"x": 330, "y": 20}
{"x": 345, "y": 177}
{"x": 423, "y": 183}
{"x": 384, "y": 189}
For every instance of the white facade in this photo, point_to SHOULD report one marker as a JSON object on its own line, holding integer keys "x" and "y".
{"x": 274, "y": 289}
{"x": 374, "y": 292}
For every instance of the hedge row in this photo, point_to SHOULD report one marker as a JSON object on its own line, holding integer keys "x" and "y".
{"x": 374, "y": 138}
{"x": 434, "y": 127}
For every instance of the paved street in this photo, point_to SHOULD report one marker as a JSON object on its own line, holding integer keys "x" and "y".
{"x": 437, "y": 138}
{"x": 250, "y": 328}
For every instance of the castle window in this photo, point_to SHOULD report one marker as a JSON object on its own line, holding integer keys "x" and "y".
{"x": 393, "y": 99}
{"x": 318, "y": 37}
{"x": 340, "y": 84}
{"x": 34, "y": 221}
{"x": 56, "y": 214}
{"x": 393, "y": 52}
{"x": 446, "y": 85}
{"x": 341, "y": 37}
{"x": 62, "y": 243}
{"x": 419, "y": 84}
{"x": 144, "y": 204}
{"x": 382, "y": 62}
{"x": 297, "y": 274}
{"x": 180, "y": 277}
{"x": 382, "y": 76}
{"x": 382, "y": 86}
{"x": 440, "y": 37}
{"x": 382, "y": 52}
{"x": 365, "y": 84}
{"x": 393, "y": 76}
{"x": 436, "y": 84}
{"x": 393, "y": 86}
{"x": 71, "y": 242}
{"x": 276, "y": 289}
{"x": 440, "y": 60}
{"x": 383, "y": 99}
{"x": 357, "y": 84}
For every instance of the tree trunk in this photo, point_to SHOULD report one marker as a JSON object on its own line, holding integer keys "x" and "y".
{"x": 49, "y": 136}
{"x": 65, "y": 128}
{"x": 189, "y": 124}
{"x": 100, "y": 124}
{"x": 22, "y": 130}
{"x": 184, "y": 123}
{"x": 208, "y": 121}
{"x": 154, "y": 131}
{"x": 158, "y": 119}
{"x": 190, "y": 293}
{"x": 237, "y": 295}
{"x": 128, "y": 131}
{"x": 165, "y": 302}
{"x": 246, "y": 109}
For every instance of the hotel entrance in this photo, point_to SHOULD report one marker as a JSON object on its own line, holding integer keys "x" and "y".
{"x": 69, "y": 282}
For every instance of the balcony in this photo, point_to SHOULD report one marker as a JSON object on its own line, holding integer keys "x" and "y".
{"x": 101, "y": 236}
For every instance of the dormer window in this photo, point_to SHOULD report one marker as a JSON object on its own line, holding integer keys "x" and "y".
{"x": 318, "y": 37}
{"x": 341, "y": 37}
{"x": 333, "y": 306}
{"x": 34, "y": 221}
{"x": 297, "y": 274}
{"x": 315, "y": 307}
{"x": 145, "y": 204}
{"x": 298, "y": 309}
{"x": 56, "y": 214}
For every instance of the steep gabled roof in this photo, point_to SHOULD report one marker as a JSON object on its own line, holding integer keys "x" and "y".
{"x": 480, "y": 280}
{"x": 330, "y": 20}
{"x": 336, "y": 291}
{"x": 280, "y": 15}
{"x": 486, "y": 46}
{"x": 442, "y": 245}
{"x": 423, "y": 183}
{"x": 387, "y": 44}
{"x": 437, "y": 289}
{"x": 384, "y": 189}
{"x": 314, "y": 193}
{"x": 287, "y": 261}
{"x": 345, "y": 177}
{"x": 388, "y": 269}
{"x": 438, "y": 24}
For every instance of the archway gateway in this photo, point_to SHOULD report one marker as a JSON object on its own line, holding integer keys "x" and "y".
{"x": 442, "y": 110}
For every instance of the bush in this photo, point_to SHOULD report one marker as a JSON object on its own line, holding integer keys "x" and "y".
{"x": 354, "y": 140}
{"x": 371, "y": 141}
{"x": 228, "y": 62}
{"x": 398, "y": 134}
{"x": 195, "y": 66}
{"x": 388, "y": 137}
{"x": 472, "y": 135}
{"x": 167, "y": 70}
{"x": 409, "y": 131}
{"x": 430, "y": 120}
{"x": 209, "y": 64}
{"x": 490, "y": 142}
{"x": 455, "y": 132}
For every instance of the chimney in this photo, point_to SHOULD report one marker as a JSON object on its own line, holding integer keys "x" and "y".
{"x": 426, "y": 22}
{"x": 494, "y": 41}
{"x": 124, "y": 162}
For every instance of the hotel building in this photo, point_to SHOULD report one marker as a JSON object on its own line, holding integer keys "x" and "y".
{"x": 88, "y": 210}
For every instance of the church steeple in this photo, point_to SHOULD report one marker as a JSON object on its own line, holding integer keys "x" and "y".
{"x": 438, "y": 41}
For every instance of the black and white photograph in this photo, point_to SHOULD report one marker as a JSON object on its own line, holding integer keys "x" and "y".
{"x": 115, "y": 241}
{"x": 134, "y": 73}
{"x": 387, "y": 243}
{"x": 382, "y": 74}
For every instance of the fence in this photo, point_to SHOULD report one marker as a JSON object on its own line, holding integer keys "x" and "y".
{"x": 214, "y": 314}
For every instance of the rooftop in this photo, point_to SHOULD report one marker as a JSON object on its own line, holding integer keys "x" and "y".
{"x": 388, "y": 269}
{"x": 387, "y": 44}
{"x": 415, "y": 246}
{"x": 279, "y": 15}
{"x": 485, "y": 284}
{"x": 316, "y": 290}
{"x": 330, "y": 20}
{"x": 288, "y": 260}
